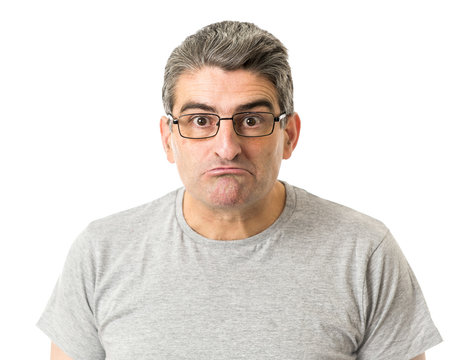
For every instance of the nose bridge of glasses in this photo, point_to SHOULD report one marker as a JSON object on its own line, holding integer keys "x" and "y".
{"x": 226, "y": 118}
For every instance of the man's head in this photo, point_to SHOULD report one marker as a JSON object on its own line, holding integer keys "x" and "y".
{"x": 223, "y": 70}
{"x": 231, "y": 45}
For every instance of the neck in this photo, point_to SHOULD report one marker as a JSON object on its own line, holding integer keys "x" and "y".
{"x": 234, "y": 223}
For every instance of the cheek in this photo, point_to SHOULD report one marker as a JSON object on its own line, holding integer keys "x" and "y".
{"x": 187, "y": 158}
{"x": 180, "y": 149}
{"x": 267, "y": 157}
{"x": 275, "y": 158}
{"x": 276, "y": 149}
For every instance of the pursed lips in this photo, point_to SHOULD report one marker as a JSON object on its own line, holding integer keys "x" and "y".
{"x": 227, "y": 170}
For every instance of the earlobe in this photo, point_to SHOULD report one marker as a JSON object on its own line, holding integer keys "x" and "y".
{"x": 166, "y": 137}
{"x": 292, "y": 133}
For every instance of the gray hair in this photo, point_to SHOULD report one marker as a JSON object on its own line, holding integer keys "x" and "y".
{"x": 231, "y": 45}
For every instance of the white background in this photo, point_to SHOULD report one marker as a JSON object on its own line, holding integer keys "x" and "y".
{"x": 381, "y": 88}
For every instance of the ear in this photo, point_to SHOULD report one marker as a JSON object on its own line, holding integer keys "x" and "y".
{"x": 291, "y": 135}
{"x": 166, "y": 137}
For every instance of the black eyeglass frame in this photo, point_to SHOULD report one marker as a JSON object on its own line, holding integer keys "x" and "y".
{"x": 281, "y": 116}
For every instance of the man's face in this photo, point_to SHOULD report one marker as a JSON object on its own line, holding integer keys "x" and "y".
{"x": 227, "y": 171}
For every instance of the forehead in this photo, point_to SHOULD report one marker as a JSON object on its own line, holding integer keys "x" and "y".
{"x": 224, "y": 91}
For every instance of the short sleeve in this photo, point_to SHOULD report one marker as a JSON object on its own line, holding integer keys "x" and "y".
{"x": 68, "y": 318}
{"x": 398, "y": 324}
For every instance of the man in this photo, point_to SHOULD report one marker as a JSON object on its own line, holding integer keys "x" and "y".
{"x": 236, "y": 265}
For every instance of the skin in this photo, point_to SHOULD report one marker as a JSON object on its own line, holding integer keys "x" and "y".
{"x": 57, "y": 354}
{"x": 420, "y": 357}
{"x": 231, "y": 183}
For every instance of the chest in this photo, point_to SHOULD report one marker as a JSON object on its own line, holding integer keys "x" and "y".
{"x": 177, "y": 310}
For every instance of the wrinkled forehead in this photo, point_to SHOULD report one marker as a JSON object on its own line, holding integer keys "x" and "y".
{"x": 216, "y": 90}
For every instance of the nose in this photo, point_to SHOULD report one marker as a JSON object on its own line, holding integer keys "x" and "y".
{"x": 227, "y": 143}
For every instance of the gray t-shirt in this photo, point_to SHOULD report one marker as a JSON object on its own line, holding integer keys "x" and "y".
{"x": 323, "y": 282}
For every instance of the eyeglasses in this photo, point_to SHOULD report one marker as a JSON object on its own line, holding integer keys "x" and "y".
{"x": 247, "y": 124}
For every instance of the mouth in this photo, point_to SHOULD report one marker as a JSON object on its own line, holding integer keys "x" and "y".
{"x": 230, "y": 170}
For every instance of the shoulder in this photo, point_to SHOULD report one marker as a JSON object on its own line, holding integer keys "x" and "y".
{"x": 136, "y": 215}
{"x": 336, "y": 224}
{"x": 131, "y": 223}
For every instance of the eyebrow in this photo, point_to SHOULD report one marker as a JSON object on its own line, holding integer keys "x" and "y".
{"x": 244, "y": 107}
{"x": 195, "y": 105}
{"x": 254, "y": 104}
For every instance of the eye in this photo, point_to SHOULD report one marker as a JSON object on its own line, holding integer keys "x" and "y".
{"x": 200, "y": 120}
{"x": 251, "y": 121}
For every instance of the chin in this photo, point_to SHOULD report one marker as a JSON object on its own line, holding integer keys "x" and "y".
{"x": 228, "y": 192}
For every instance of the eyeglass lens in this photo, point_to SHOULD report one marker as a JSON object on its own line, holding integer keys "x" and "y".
{"x": 252, "y": 124}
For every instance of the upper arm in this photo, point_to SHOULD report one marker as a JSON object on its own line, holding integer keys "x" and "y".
{"x": 420, "y": 357}
{"x": 72, "y": 302}
{"x": 57, "y": 354}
